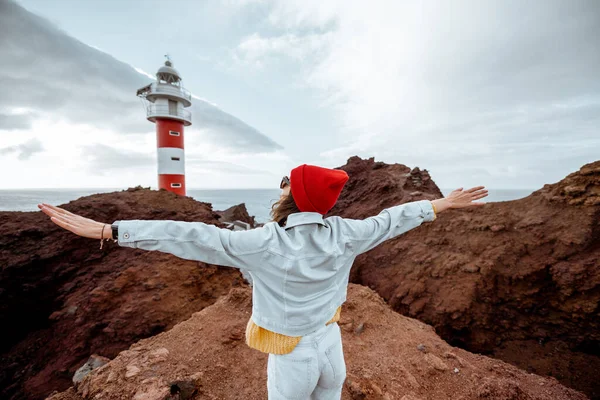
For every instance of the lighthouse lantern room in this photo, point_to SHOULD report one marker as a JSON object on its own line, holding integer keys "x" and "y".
{"x": 166, "y": 101}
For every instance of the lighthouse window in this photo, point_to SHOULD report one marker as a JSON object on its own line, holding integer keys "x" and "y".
{"x": 175, "y": 158}
{"x": 175, "y": 185}
{"x": 174, "y": 133}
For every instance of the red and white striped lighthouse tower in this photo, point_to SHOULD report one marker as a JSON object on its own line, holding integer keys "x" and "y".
{"x": 165, "y": 102}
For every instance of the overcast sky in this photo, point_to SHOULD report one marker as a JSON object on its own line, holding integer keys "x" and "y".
{"x": 502, "y": 93}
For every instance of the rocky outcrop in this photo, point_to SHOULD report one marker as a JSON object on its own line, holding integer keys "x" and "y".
{"x": 374, "y": 185}
{"x": 516, "y": 279}
{"x": 63, "y": 299}
{"x": 388, "y": 356}
{"x": 237, "y": 213}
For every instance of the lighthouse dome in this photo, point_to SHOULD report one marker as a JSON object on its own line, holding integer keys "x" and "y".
{"x": 167, "y": 73}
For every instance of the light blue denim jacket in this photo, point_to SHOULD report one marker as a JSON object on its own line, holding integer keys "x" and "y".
{"x": 299, "y": 271}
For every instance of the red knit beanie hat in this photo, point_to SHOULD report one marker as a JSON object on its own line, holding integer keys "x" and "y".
{"x": 316, "y": 189}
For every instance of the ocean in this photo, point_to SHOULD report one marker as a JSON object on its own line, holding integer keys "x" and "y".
{"x": 258, "y": 201}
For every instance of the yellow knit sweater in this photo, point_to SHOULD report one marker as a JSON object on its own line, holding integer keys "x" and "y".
{"x": 270, "y": 342}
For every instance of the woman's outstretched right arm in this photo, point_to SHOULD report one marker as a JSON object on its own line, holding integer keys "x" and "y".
{"x": 188, "y": 240}
{"x": 197, "y": 241}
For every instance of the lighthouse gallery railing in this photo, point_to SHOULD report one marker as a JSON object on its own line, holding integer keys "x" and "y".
{"x": 171, "y": 89}
{"x": 157, "y": 111}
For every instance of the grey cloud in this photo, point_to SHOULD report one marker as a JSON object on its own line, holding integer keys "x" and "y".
{"x": 25, "y": 150}
{"x": 500, "y": 86}
{"x": 193, "y": 163}
{"x": 48, "y": 72}
{"x": 516, "y": 70}
{"x": 513, "y": 51}
{"x": 102, "y": 159}
{"x": 12, "y": 122}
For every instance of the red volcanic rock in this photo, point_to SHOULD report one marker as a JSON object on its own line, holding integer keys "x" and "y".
{"x": 519, "y": 280}
{"x": 374, "y": 186}
{"x": 205, "y": 357}
{"x": 237, "y": 213}
{"x": 63, "y": 299}
{"x": 506, "y": 278}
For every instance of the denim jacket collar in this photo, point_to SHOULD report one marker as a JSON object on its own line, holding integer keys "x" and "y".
{"x": 302, "y": 218}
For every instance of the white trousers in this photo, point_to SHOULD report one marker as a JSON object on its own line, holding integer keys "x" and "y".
{"x": 315, "y": 370}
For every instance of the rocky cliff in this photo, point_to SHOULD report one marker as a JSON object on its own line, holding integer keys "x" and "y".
{"x": 516, "y": 279}
{"x": 62, "y": 298}
{"x": 237, "y": 213}
{"x": 388, "y": 356}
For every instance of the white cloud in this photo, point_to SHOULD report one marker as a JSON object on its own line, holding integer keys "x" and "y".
{"x": 57, "y": 76}
{"x": 72, "y": 118}
{"x": 205, "y": 100}
{"x": 256, "y": 50}
{"x": 141, "y": 71}
{"x": 455, "y": 87}
{"x": 24, "y": 150}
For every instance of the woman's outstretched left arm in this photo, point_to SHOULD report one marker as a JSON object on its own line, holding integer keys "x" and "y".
{"x": 365, "y": 234}
{"x": 188, "y": 240}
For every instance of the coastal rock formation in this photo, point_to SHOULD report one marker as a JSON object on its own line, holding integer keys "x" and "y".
{"x": 237, "y": 213}
{"x": 63, "y": 299}
{"x": 375, "y": 185}
{"x": 390, "y": 357}
{"x": 518, "y": 279}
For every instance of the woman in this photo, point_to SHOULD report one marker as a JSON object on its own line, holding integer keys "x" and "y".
{"x": 299, "y": 264}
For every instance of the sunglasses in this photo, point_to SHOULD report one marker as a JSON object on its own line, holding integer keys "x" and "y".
{"x": 284, "y": 182}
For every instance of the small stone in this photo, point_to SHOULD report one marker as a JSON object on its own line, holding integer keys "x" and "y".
{"x": 360, "y": 328}
{"x": 131, "y": 371}
{"x": 55, "y": 316}
{"x": 376, "y": 389}
{"x": 456, "y": 370}
{"x": 575, "y": 190}
{"x": 112, "y": 376}
{"x": 152, "y": 389}
{"x": 95, "y": 361}
{"x": 421, "y": 347}
{"x": 185, "y": 389}
{"x": 436, "y": 363}
{"x": 497, "y": 228}
{"x": 470, "y": 268}
{"x": 356, "y": 391}
{"x": 236, "y": 335}
{"x": 158, "y": 355}
{"x": 156, "y": 297}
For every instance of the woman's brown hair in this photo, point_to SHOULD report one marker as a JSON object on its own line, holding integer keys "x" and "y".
{"x": 282, "y": 208}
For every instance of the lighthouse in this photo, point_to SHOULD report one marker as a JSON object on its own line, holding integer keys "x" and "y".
{"x": 166, "y": 101}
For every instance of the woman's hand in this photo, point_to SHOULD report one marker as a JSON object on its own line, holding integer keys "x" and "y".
{"x": 77, "y": 224}
{"x": 461, "y": 199}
